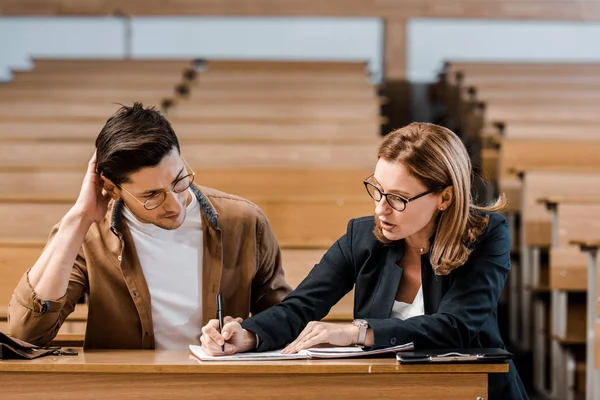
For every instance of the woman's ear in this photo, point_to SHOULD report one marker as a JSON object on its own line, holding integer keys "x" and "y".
{"x": 446, "y": 198}
{"x": 110, "y": 188}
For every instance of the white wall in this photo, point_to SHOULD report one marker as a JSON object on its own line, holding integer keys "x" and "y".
{"x": 22, "y": 38}
{"x": 430, "y": 41}
{"x": 433, "y": 41}
{"x": 203, "y": 37}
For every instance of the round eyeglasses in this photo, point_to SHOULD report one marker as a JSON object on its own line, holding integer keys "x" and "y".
{"x": 395, "y": 201}
{"x": 156, "y": 199}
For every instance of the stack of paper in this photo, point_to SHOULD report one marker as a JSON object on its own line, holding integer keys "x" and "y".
{"x": 317, "y": 352}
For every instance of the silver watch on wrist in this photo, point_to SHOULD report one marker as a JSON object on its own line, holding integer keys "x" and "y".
{"x": 362, "y": 325}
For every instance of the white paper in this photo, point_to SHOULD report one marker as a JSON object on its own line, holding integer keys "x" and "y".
{"x": 318, "y": 352}
{"x": 354, "y": 351}
{"x": 252, "y": 356}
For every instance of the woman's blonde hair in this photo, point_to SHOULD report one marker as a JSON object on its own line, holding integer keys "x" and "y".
{"x": 436, "y": 156}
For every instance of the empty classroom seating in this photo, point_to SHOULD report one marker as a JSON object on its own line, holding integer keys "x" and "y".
{"x": 574, "y": 219}
{"x": 540, "y": 277}
{"x": 295, "y": 138}
{"x": 532, "y": 128}
{"x": 72, "y": 155}
{"x": 197, "y": 131}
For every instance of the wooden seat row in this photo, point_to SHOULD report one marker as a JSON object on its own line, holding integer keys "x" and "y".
{"x": 532, "y": 128}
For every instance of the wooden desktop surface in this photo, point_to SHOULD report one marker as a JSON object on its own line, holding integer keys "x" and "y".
{"x": 177, "y": 375}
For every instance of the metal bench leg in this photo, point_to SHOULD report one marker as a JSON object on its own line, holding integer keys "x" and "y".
{"x": 539, "y": 347}
{"x": 570, "y": 374}
{"x": 525, "y": 267}
{"x": 513, "y": 290}
{"x": 559, "y": 328}
{"x": 591, "y": 373}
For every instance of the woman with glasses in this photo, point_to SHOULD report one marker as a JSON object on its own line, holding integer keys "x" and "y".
{"x": 428, "y": 267}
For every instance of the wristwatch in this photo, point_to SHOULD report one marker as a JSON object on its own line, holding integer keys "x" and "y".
{"x": 362, "y": 325}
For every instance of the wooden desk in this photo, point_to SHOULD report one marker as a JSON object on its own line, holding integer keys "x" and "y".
{"x": 174, "y": 374}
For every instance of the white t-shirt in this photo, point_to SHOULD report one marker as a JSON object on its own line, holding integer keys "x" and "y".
{"x": 172, "y": 265}
{"x": 402, "y": 310}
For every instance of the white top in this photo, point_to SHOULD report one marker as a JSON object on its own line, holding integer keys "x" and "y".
{"x": 172, "y": 265}
{"x": 402, "y": 310}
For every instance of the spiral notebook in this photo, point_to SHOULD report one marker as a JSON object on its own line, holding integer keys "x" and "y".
{"x": 317, "y": 352}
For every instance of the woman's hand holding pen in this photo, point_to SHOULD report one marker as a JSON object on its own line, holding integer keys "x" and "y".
{"x": 235, "y": 338}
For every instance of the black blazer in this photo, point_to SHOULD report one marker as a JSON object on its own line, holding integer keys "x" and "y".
{"x": 460, "y": 308}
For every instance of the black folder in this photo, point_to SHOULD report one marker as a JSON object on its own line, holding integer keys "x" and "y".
{"x": 454, "y": 356}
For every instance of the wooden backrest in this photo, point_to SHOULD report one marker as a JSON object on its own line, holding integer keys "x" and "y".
{"x": 552, "y": 131}
{"x": 290, "y": 110}
{"x": 151, "y": 92}
{"x": 206, "y": 95}
{"x": 115, "y": 84}
{"x": 307, "y": 99}
{"x": 148, "y": 96}
{"x": 304, "y": 222}
{"x": 97, "y": 110}
{"x": 529, "y": 154}
{"x": 70, "y": 129}
{"x": 55, "y": 64}
{"x": 537, "y": 184}
{"x": 578, "y": 221}
{"x": 523, "y": 95}
{"x": 261, "y": 183}
{"x": 281, "y": 85}
{"x": 100, "y": 76}
{"x": 300, "y": 94}
{"x": 566, "y": 79}
{"x": 29, "y": 222}
{"x": 568, "y": 265}
{"x": 522, "y": 68}
{"x": 74, "y": 155}
{"x": 509, "y": 112}
{"x": 15, "y": 259}
{"x": 316, "y": 67}
{"x": 310, "y": 78}
{"x": 100, "y": 109}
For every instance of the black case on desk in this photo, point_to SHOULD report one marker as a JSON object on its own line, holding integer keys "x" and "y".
{"x": 438, "y": 356}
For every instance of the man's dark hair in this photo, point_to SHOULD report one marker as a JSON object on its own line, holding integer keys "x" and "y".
{"x": 133, "y": 138}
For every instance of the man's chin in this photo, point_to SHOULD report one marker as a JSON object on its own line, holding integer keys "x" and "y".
{"x": 170, "y": 223}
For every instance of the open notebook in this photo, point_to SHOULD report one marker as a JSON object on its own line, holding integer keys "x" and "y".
{"x": 318, "y": 352}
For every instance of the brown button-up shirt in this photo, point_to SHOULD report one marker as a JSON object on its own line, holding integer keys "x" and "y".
{"x": 241, "y": 259}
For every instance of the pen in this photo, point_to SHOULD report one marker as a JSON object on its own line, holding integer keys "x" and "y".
{"x": 220, "y": 316}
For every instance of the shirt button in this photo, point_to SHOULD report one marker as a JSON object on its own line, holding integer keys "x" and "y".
{"x": 392, "y": 341}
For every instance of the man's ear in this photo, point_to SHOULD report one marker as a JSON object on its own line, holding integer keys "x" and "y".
{"x": 110, "y": 188}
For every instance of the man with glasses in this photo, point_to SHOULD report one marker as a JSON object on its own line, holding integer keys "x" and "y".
{"x": 149, "y": 248}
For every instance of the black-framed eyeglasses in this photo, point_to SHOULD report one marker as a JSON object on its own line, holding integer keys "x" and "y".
{"x": 395, "y": 201}
{"x": 179, "y": 186}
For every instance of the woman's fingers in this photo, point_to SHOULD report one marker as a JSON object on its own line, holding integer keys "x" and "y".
{"x": 211, "y": 330}
{"x": 315, "y": 340}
